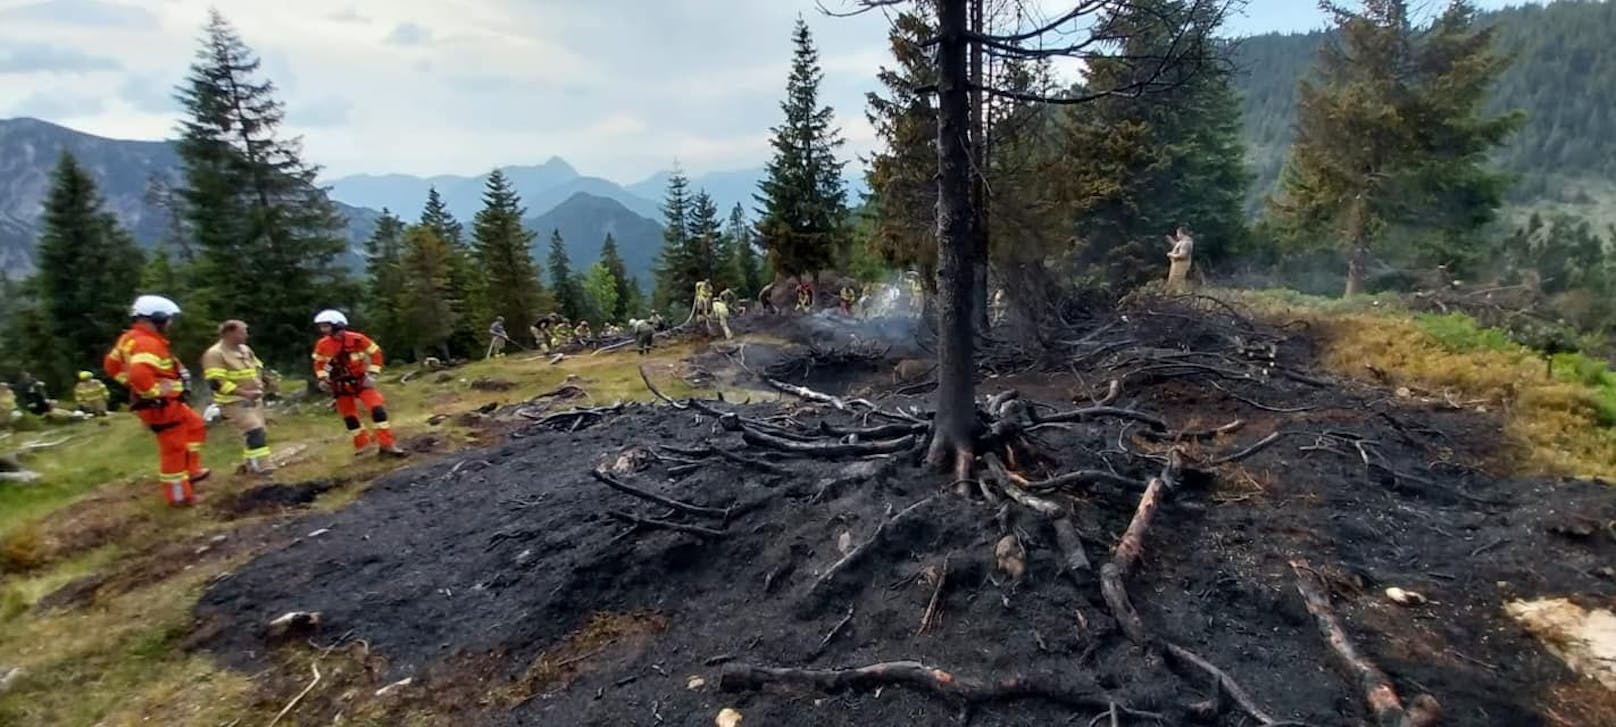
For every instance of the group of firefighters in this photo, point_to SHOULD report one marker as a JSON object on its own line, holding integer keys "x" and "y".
{"x": 346, "y": 365}
{"x": 29, "y": 395}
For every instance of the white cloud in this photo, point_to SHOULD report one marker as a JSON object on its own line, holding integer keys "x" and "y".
{"x": 408, "y": 33}
{"x": 58, "y": 106}
{"x": 42, "y": 58}
{"x": 80, "y": 12}
{"x": 617, "y": 87}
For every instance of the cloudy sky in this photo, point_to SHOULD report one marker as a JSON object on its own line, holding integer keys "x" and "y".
{"x": 620, "y": 88}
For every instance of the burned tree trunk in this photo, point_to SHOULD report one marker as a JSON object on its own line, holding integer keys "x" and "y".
{"x": 956, "y": 243}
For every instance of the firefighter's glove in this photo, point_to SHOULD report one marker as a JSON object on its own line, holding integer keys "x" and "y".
{"x": 369, "y": 382}
{"x": 325, "y": 385}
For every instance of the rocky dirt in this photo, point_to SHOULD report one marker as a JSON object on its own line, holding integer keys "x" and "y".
{"x": 506, "y": 569}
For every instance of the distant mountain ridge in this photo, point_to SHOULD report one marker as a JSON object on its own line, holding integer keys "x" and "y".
{"x": 584, "y": 209}
{"x": 123, "y": 171}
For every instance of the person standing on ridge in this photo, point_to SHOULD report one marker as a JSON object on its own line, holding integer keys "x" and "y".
{"x": 496, "y": 338}
{"x": 1178, "y": 259}
{"x": 157, "y": 387}
{"x": 236, "y": 376}
{"x": 346, "y": 363}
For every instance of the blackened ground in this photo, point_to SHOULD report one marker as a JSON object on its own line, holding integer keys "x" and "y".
{"x": 504, "y": 555}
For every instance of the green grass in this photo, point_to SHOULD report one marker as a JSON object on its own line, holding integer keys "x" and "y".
{"x": 1459, "y": 332}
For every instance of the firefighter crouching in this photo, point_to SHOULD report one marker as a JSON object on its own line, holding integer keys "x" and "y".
{"x": 346, "y": 363}
{"x": 90, "y": 395}
{"x": 236, "y": 376}
{"x": 157, "y": 386}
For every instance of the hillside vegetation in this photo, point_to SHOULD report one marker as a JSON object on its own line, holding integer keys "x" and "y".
{"x": 1563, "y": 77}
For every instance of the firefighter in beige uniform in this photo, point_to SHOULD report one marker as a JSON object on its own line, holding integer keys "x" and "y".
{"x": 1178, "y": 259}
{"x": 236, "y": 376}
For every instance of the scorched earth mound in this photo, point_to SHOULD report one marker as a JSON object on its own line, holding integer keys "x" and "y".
{"x": 1174, "y": 549}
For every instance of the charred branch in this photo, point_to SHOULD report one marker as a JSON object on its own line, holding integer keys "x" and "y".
{"x": 664, "y": 524}
{"x": 1376, "y": 688}
{"x": 915, "y": 675}
{"x": 684, "y": 507}
{"x": 825, "y": 449}
{"x": 1099, "y": 412}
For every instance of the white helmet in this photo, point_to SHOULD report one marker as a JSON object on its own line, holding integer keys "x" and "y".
{"x": 155, "y": 307}
{"x": 332, "y": 317}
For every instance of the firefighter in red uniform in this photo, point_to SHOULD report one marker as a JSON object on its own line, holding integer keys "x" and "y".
{"x": 347, "y": 364}
{"x": 157, "y": 385}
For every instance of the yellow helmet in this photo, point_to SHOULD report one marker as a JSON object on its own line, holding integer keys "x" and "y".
{"x": 85, "y": 376}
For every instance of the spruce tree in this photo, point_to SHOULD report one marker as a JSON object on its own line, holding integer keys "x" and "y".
{"x": 804, "y": 204}
{"x": 1391, "y": 132}
{"x": 89, "y": 270}
{"x": 747, "y": 273}
{"x": 504, "y": 248}
{"x": 466, "y": 285}
{"x": 599, "y": 289}
{"x": 613, "y": 261}
{"x": 384, "y": 280}
{"x": 268, "y": 239}
{"x": 425, "y": 305}
{"x": 568, "y": 296}
{"x": 702, "y": 242}
{"x": 1143, "y": 166}
{"x": 634, "y": 303}
{"x": 902, "y": 173}
{"x": 675, "y": 221}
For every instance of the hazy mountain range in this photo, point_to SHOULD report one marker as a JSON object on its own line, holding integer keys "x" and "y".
{"x": 583, "y": 209}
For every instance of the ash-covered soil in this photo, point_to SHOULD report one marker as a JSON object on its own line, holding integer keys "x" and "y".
{"x": 500, "y": 566}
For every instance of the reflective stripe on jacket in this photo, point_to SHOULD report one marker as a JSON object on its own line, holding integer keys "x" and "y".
{"x": 230, "y": 369}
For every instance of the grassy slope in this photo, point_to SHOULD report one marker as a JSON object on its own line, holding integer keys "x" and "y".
{"x": 116, "y": 661}
{"x": 1559, "y": 424}
{"x": 119, "y": 659}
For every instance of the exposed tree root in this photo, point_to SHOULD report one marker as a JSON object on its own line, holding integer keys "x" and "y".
{"x": 657, "y": 393}
{"x": 744, "y": 461}
{"x": 684, "y": 507}
{"x": 1014, "y": 490}
{"x": 665, "y": 525}
{"x": 915, "y": 675}
{"x": 1375, "y": 686}
{"x": 1100, "y": 412}
{"x": 1071, "y": 479}
{"x": 863, "y": 550}
{"x": 885, "y": 431}
{"x": 817, "y": 449}
{"x": 1225, "y": 683}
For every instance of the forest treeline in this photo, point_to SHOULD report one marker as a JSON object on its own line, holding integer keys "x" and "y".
{"x": 1562, "y": 76}
{"x": 1400, "y": 161}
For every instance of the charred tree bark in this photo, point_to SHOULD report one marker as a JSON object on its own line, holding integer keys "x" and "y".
{"x": 956, "y": 242}
{"x": 979, "y": 164}
{"x": 1358, "y": 239}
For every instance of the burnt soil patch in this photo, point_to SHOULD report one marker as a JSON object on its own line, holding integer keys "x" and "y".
{"x": 507, "y": 557}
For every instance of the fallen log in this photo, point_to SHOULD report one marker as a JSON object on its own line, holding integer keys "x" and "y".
{"x": 915, "y": 675}
{"x": 665, "y": 524}
{"x": 1373, "y": 683}
{"x": 825, "y": 449}
{"x": 808, "y": 394}
{"x": 683, "y": 507}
